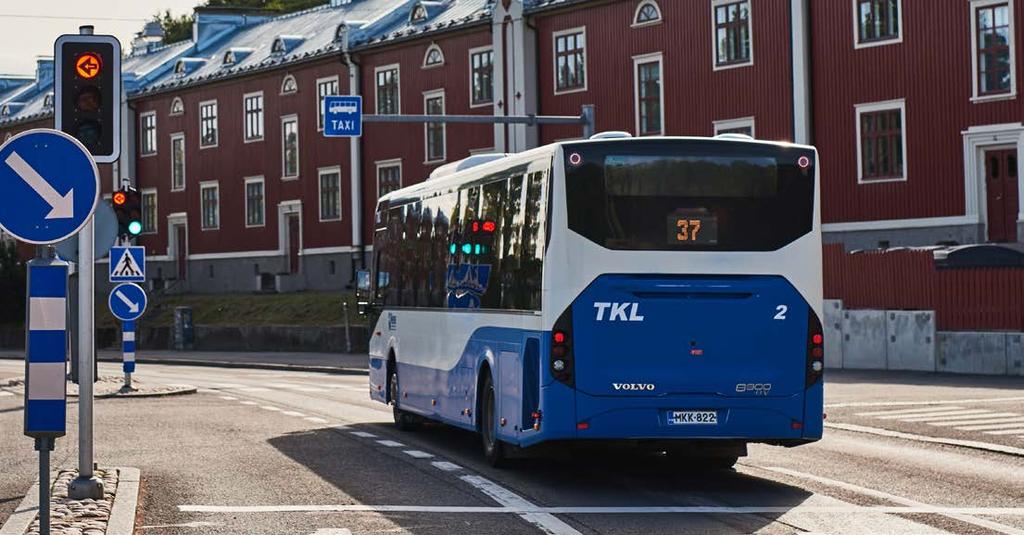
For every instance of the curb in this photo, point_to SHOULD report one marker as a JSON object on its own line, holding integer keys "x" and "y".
{"x": 116, "y": 395}
{"x": 971, "y": 444}
{"x": 122, "y": 514}
{"x": 26, "y": 512}
{"x": 252, "y": 365}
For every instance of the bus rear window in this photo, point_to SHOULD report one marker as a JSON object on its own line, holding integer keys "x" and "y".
{"x": 670, "y": 195}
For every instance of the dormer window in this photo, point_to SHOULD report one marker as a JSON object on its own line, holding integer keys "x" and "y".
{"x": 341, "y": 32}
{"x": 186, "y": 66}
{"x": 177, "y": 107}
{"x": 229, "y": 58}
{"x": 235, "y": 55}
{"x": 434, "y": 57}
{"x": 5, "y": 111}
{"x": 278, "y": 47}
{"x": 419, "y": 14}
{"x": 48, "y": 100}
{"x": 284, "y": 44}
{"x": 288, "y": 85}
{"x": 647, "y": 13}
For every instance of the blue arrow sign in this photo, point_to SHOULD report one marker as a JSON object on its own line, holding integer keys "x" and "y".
{"x": 343, "y": 116}
{"x": 128, "y": 264}
{"x": 127, "y": 301}
{"x": 49, "y": 186}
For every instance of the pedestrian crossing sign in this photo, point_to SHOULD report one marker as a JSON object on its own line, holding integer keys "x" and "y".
{"x": 128, "y": 264}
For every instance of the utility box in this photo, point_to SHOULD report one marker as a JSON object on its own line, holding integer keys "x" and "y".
{"x": 972, "y": 352}
{"x": 832, "y": 324}
{"x": 864, "y": 341}
{"x": 911, "y": 340}
{"x": 184, "y": 331}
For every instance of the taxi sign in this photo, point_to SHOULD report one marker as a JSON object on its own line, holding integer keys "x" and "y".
{"x": 88, "y": 65}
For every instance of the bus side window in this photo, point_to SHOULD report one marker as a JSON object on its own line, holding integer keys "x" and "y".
{"x": 511, "y": 245}
{"x": 533, "y": 242}
{"x": 494, "y": 199}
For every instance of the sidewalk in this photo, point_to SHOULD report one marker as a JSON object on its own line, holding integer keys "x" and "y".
{"x": 333, "y": 362}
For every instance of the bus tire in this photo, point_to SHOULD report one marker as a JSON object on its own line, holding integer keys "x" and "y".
{"x": 494, "y": 448}
{"x": 403, "y": 420}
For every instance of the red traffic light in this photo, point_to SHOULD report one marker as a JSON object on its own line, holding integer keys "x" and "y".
{"x": 119, "y": 198}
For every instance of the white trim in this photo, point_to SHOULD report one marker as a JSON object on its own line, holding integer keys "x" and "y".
{"x": 975, "y": 97}
{"x": 871, "y": 107}
{"x": 739, "y": 122}
{"x": 281, "y": 90}
{"x": 427, "y": 95}
{"x": 320, "y": 112}
{"x": 216, "y": 123}
{"x": 469, "y": 57}
{"x": 714, "y": 36}
{"x": 156, "y": 208}
{"x": 800, "y": 45}
{"x": 398, "y": 93}
{"x": 298, "y": 146}
{"x": 378, "y": 165}
{"x": 263, "y": 117}
{"x": 482, "y": 150}
{"x": 205, "y": 185}
{"x": 554, "y": 58}
{"x": 320, "y": 172}
{"x": 170, "y": 109}
{"x": 431, "y": 48}
{"x": 636, "y": 13}
{"x": 184, "y": 154}
{"x": 977, "y": 140}
{"x": 284, "y": 210}
{"x": 236, "y": 254}
{"x": 142, "y": 132}
{"x": 637, "y": 61}
{"x": 328, "y": 250}
{"x": 881, "y": 42}
{"x": 245, "y": 194}
{"x": 900, "y": 223}
{"x": 175, "y": 220}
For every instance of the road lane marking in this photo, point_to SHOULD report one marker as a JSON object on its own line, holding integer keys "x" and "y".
{"x": 961, "y": 516}
{"x": 417, "y": 454}
{"x": 269, "y": 408}
{"x": 987, "y": 420}
{"x": 363, "y": 434}
{"x": 937, "y": 414}
{"x": 605, "y": 510}
{"x": 390, "y": 444}
{"x": 1012, "y": 422}
{"x": 4, "y": 394}
{"x": 332, "y": 531}
{"x": 185, "y": 525}
{"x": 315, "y": 420}
{"x": 446, "y": 466}
{"x": 918, "y": 403}
{"x": 293, "y": 413}
{"x": 253, "y": 389}
{"x": 1019, "y": 429}
{"x": 986, "y": 446}
{"x": 981, "y": 414}
{"x": 228, "y": 398}
{"x": 907, "y": 411}
{"x": 247, "y": 402}
{"x": 545, "y": 521}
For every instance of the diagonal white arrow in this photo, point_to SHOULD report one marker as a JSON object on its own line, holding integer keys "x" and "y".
{"x": 62, "y": 207}
{"x": 132, "y": 306}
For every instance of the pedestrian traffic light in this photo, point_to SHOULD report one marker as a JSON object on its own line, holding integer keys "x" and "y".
{"x": 128, "y": 207}
{"x": 87, "y": 92}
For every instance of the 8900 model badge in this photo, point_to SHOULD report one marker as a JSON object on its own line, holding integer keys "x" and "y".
{"x": 761, "y": 389}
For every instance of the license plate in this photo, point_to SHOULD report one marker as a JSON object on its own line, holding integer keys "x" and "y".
{"x": 693, "y": 418}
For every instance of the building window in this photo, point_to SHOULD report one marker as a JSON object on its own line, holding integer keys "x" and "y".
{"x": 418, "y": 14}
{"x": 209, "y": 195}
{"x": 255, "y": 202}
{"x": 288, "y": 85}
{"x": 650, "y": 110}
{"x": 324, "y": 87}
{"x": 330, "y": 194}
{"x": 570, "y": 60}
{"x": 732, "y": 33}
{"x": 177, "y": 107}
{"x": 389, "y": 177}
{"x": 147, "y": 133}
{"x": 481, "y": 72}
{"x": 208, "y": 124}
{"x": 881, "y": 138}
{"x": 744, "y": 125}
{"x": 878, "y": 21}
{"x": 647, "y": 14}
{"x": 177, "y": 162}
{"x": 433, "y": 104}
{"x": 149, "y": 211}
{"x": 253, "y": 106}
{"x": 387, "y": 90}
{"x": 994, "y": 49}
{"x": 290, "y": 147}
{"x": 434, "y": 57}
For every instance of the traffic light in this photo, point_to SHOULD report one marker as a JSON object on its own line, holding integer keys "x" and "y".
{"x": 127, "y": 203}
{"x": 87, "y": 92}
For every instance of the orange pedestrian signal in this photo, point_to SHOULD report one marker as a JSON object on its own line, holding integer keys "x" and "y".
{"x": 88, "y": 65}
{"x": 119, "y": 198}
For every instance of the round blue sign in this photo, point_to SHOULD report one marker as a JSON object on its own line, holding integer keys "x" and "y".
{"x": 127, "y": 301}
{"x": 49, "y": 186}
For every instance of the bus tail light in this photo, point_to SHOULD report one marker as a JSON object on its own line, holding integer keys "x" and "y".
{"x": 561, "y": 361}
{"x": 815, "y": 349}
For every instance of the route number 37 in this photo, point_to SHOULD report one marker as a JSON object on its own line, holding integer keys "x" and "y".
{"x": 688, "y": 229}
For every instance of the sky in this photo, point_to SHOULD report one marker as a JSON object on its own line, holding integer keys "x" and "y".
{"x": 29, "y": 27}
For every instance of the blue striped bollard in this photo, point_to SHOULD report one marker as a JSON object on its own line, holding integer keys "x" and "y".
{"x": 128, "y": 352}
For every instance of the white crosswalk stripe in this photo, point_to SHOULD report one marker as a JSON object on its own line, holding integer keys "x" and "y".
{"x": 908, "y": 411}
{"x": 1003, "y": 417}
{"x": 1013, "y": 423}
{"x": 943, "y": 413}
{"x": 940, "y": 418}
{"x": 1018, "y": 429}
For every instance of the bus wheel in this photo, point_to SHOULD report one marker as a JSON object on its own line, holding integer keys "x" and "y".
{"x": 494, "y": 449}
{"x": 403, "y": 420}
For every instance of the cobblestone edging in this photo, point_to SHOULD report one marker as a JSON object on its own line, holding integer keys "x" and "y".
{"x": 79, "y": 517}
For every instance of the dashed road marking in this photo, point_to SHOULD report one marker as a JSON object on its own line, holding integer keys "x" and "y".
{"x": 907, "y": 411}
{"x": 963, "y": 416}
{"x": 269, "y": 408}
{"x": 986, "y": 420}
{"x": 5, "y": 394}
{"x": 247, "y": 402}
{"x": 919, "y": 403}
{"x": 293, "y": 413}
{"x": 390, "y": 443}
{"x": 253, "y": 389}
{"x": 417, "y": 454}
{"x": 446, "y": 466}
{"x": 934, "y": 415}
{"x": 228, "y": 398}
{"x": 1012, "y": 422}
{"x": 315, "y": 420}
{"x": 363, "y": 434}
{"x": 1018, "y": 429}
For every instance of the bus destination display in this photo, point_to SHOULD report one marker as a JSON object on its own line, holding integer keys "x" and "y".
{"x": 692, "y": 227}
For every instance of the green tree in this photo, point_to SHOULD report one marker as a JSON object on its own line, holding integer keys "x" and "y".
{"x": 175, "y": 29}
{"x": 180, "y": 28}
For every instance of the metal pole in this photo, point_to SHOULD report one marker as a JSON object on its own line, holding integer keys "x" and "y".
{"x": 589, "y": 117}
{"x": 348, "y": 334}
{"x": 44, "y": 446}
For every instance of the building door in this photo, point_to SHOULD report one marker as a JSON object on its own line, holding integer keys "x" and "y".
{"x": 293, "y": 243}
{"x": 181, "y": 251}
{"x": 1001, "y": 185}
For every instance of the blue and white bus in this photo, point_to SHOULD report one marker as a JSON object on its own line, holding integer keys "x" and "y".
{"x": 663, "y": 292}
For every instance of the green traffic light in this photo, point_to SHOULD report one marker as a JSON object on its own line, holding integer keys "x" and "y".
{"x": 135, "y": 228}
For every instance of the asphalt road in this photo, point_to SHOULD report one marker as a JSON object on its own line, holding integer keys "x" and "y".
{"x": 265, "y": 451}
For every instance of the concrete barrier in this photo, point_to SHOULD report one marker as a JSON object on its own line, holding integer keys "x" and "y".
{"x": 910, "y": 343}
{"x": 832, "y": 324}
{"x": 1015, "y": 353}
{"x": 864, "y": 342}
{"x": 972, "y": 352}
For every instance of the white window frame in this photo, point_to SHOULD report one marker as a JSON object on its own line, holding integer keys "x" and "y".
{"x": 184, "y": 158}
{"x": 431, "y": 48}
{"x": 637, "y": 60}
{"x": 739, "y": 122}
{"x": 320, "y": 112}
{"x": 396, "y": 162}
{"x": 180, "y": 104}
{"x": 320, "y": 172}
{"x": 376, "y": 101}
{"x": 263, "y": 217}
{"x": 975, "y": 97}
{"x": 156, "y": 209}
{"x": 870, "y": 107}
{"x": 554, "y": 60}
{"x": 857, "y": 44}
{"x": 205, "y": 185}
{"x": 714, "y": 37}
{"x": 245, "y": 118}
{"x": 284, "y": 82}
{"x": 427, "y": 95}
{"x": 636, "y": 13}
{"x": 216, "y": 123}
{"x": 472, "y": 52}
{"x": 298, "y": 148}
{"x": 142, "y": 132}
